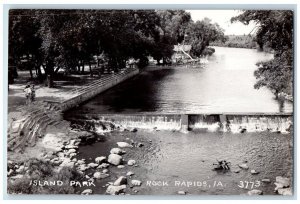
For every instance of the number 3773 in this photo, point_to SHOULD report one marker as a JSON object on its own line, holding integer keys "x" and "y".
{"x": 249, "y": 184}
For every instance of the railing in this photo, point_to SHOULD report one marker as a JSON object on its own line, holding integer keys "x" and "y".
{"x": 103, "y": 81}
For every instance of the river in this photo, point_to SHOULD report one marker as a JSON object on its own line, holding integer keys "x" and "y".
{"x": 224, "y": 84}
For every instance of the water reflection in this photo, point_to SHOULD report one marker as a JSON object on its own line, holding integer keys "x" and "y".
{"x": 225, "y": 84}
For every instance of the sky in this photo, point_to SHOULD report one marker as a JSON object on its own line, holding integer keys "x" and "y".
{"x": 222, "y": 17}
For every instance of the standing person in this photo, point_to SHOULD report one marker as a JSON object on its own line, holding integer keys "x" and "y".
{"x": 27, "y": 91}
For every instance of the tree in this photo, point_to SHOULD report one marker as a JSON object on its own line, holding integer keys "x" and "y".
{"x": 201, "y": 33}
{"x": 275, "y": 30}
{"x": 172, "y": 26}
{"x": 23, "y": 41}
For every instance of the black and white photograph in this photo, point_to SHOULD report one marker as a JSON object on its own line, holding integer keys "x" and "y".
{"x": 152, "y": 102}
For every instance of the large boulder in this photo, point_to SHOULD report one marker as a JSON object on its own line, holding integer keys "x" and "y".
{"x": 124, "y": 144}
{"x": 115, "y": 190}
{"x": 114, "y": 159}
{"x": 120, "y": 181}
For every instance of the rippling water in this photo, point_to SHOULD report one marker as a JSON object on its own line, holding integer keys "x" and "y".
{"x": 225, "y": 84}
{"x": 175, "y": 156}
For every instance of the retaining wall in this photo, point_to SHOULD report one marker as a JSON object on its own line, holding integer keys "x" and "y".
{"x": 96, "y": 88}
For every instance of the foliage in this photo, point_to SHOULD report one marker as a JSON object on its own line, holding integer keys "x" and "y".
{"x": 237, "y": 41}
{"x": 275, "y": 30}
{"x": 44, "y": 171}
{"x": 201, "y": 33}
{"x": 69, "y": 39}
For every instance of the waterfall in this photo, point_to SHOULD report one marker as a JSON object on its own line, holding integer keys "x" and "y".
{"x": 234, "y": 123}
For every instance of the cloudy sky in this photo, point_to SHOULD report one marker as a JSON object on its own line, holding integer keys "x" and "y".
{"x": 222, "y": 17}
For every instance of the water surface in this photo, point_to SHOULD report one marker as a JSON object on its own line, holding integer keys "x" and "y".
{"x": 175, "y": 156}
{"x": 225, "y": 84}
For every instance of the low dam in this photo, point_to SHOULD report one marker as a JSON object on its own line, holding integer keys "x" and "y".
{"x": 231, "y": 122}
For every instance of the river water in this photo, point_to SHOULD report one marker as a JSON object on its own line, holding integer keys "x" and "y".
{"x": 224, "y": 84}
{"x": 172, "y": 157}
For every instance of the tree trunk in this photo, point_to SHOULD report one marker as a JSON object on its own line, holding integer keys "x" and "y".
{"x": 50, "y": 81}
{"x": 91, "y": 72}
{"x": 39, "y": 73}
{"x": 82, "y": 64}
{"x": 29, "y": 66}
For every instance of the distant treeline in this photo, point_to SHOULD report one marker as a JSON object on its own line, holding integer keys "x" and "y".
{"x": 238, "y": 41}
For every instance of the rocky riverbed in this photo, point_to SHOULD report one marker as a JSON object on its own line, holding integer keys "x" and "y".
{"x": 118, "y": 161}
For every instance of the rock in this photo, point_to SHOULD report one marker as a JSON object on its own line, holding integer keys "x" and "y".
{"x": 87, "y": 192}
{"x": 181, "y": 192}
{"x": 236, "y": 170}
{"x": 104, "y": 171}
{"x": 131, "y": 162}
{"x": 285, "y": 191}
{"x": 115, "y": 190}
{"x": 80, "y": 162}
{"x": 117, "y": 151}
{"x": 20, "y": 169}
{"x": 71, "y": 151}
{"x": 243, "y": 130}
{"x": 282, "y": 182}
{"x": 71, "y": 147}
{"x": 99, "y": 160}
{"x": 266, "y": 180}
{"x": 92, "y": 165}
{"x": 255, "y": 192}
{"x": 72, "y": 154}
{"x": 10, "y": 172}
{"x": 124, "y": 144}
{"x": 136, "y": 182}
{"x": 243, "y": 166}
{"x": 254, "y": 172}
{"x": 129, "y": 173}
{"x": 18, "y": 176}
{"x": 140, "y": 144}
{"x": 114, "y": 159}
{"x": 67, "y": 163}
{"x": 103, "y": 165}
{"x": 82, "y": 167}
{"x": 120, "y": 166}
{"x": 99, "y": 175}
{"x": 120, "y": 181}
{"x": 133, "y": 130}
